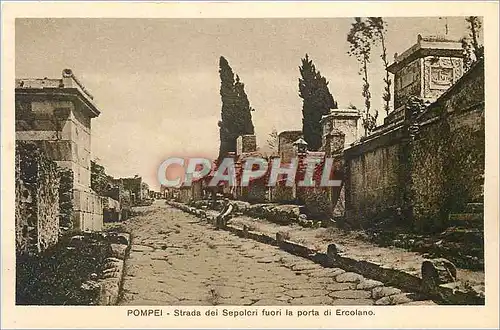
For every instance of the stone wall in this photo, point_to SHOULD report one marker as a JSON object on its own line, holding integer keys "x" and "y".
{"x": 373, "y": 177}
{"x": 407, "y": 82}
{"x": 37, "y": 200}
{"x": 426, "y": 167}
{"x": 61, "y": 128}
{"x": 66, "y": 200}
{"x": 120, "y": 194}
{"x": 134, "y": 185}
{"x": 285, "y": 144}
{"x": 256, "y": 192}
{"x": 447, "y": 156}
{"x": 317, "y": 201}
{"x": 88, "y": 210}
{"x": 340, "y": 122}
{"x": 282, "y": 193}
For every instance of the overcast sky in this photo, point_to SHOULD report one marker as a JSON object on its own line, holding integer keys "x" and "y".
{"x": 156, "y": 81}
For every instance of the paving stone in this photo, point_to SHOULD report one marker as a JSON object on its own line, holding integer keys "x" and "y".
{"x": 312, "y": 301}
{"x": 305, "y": 266}
{"x": 350, "y": 294}
{"x": 384, "y": 291}
{"x": 420, "y": 303}
{"x": 349, "y": 277}
{"x": 240, "y": 272}
{"x": 269, "y": 302}
{"x": 401, "y": 298}
{"x": 304, "y": 293}
{"x": 340, "y": 286}
{"x": 324, "y": 272}
{"x": 235, "y": 302}
{"x": 145, "y": 302}
{"x": 352, "y": 302}
{"x": 367, "y": 284}
{"x": 141, "y": 248}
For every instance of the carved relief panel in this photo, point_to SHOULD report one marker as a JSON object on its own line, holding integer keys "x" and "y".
{"x": 440, "y": 73}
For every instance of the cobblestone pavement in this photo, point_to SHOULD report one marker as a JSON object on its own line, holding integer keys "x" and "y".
{"x": 177, "y": 260}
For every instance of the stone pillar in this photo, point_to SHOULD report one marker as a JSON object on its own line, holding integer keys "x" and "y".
{"x": 340, "y": 130}
{"x": 246, "y": 143}
{"x": 343, "y": 120}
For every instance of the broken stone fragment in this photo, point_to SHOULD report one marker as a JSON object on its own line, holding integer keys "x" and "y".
{"x": 436, "y": 272}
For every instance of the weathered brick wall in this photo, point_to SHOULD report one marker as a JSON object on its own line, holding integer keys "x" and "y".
{"x": 37, "y": 200}
{"x": 467, "y": 140}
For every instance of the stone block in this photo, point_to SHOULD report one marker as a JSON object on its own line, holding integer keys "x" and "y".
{"x": 97, "y": 222}
{"x": 349, "y": 277}
{"x": 78, "y": 221}
{"x": 119, "y": 251}
{"x": 367, "y": 284}
{"x": 437, "y": 271}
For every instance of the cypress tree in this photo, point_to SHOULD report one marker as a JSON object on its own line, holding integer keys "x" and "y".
{"x": 236, "y": 117}
{"x": 317, "y": 102}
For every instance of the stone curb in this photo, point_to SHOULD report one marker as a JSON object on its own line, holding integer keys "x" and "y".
{"x": 112, "y": 278}
{"x": 447, "y": 293}
{"x": 108, "y": 286}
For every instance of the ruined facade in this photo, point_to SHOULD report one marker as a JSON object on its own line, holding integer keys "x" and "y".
{"x": 56, "y": 115}
{"x": 138, "y": 190}
{"x": 37, "y": 200}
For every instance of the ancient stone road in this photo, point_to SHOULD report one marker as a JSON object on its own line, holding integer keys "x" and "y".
{"x": 178, "y": 260}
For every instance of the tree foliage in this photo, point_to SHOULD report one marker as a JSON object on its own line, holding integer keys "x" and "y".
{"x": 378, "y": 26}
{"x": 317, "y": 102}
{"x": 474, "y": 28}
{"x": 360, "y": 38}
{"x": 236, "y": 117}
{"x": 470, "y": 44}
{"x": 100, "y": 182}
